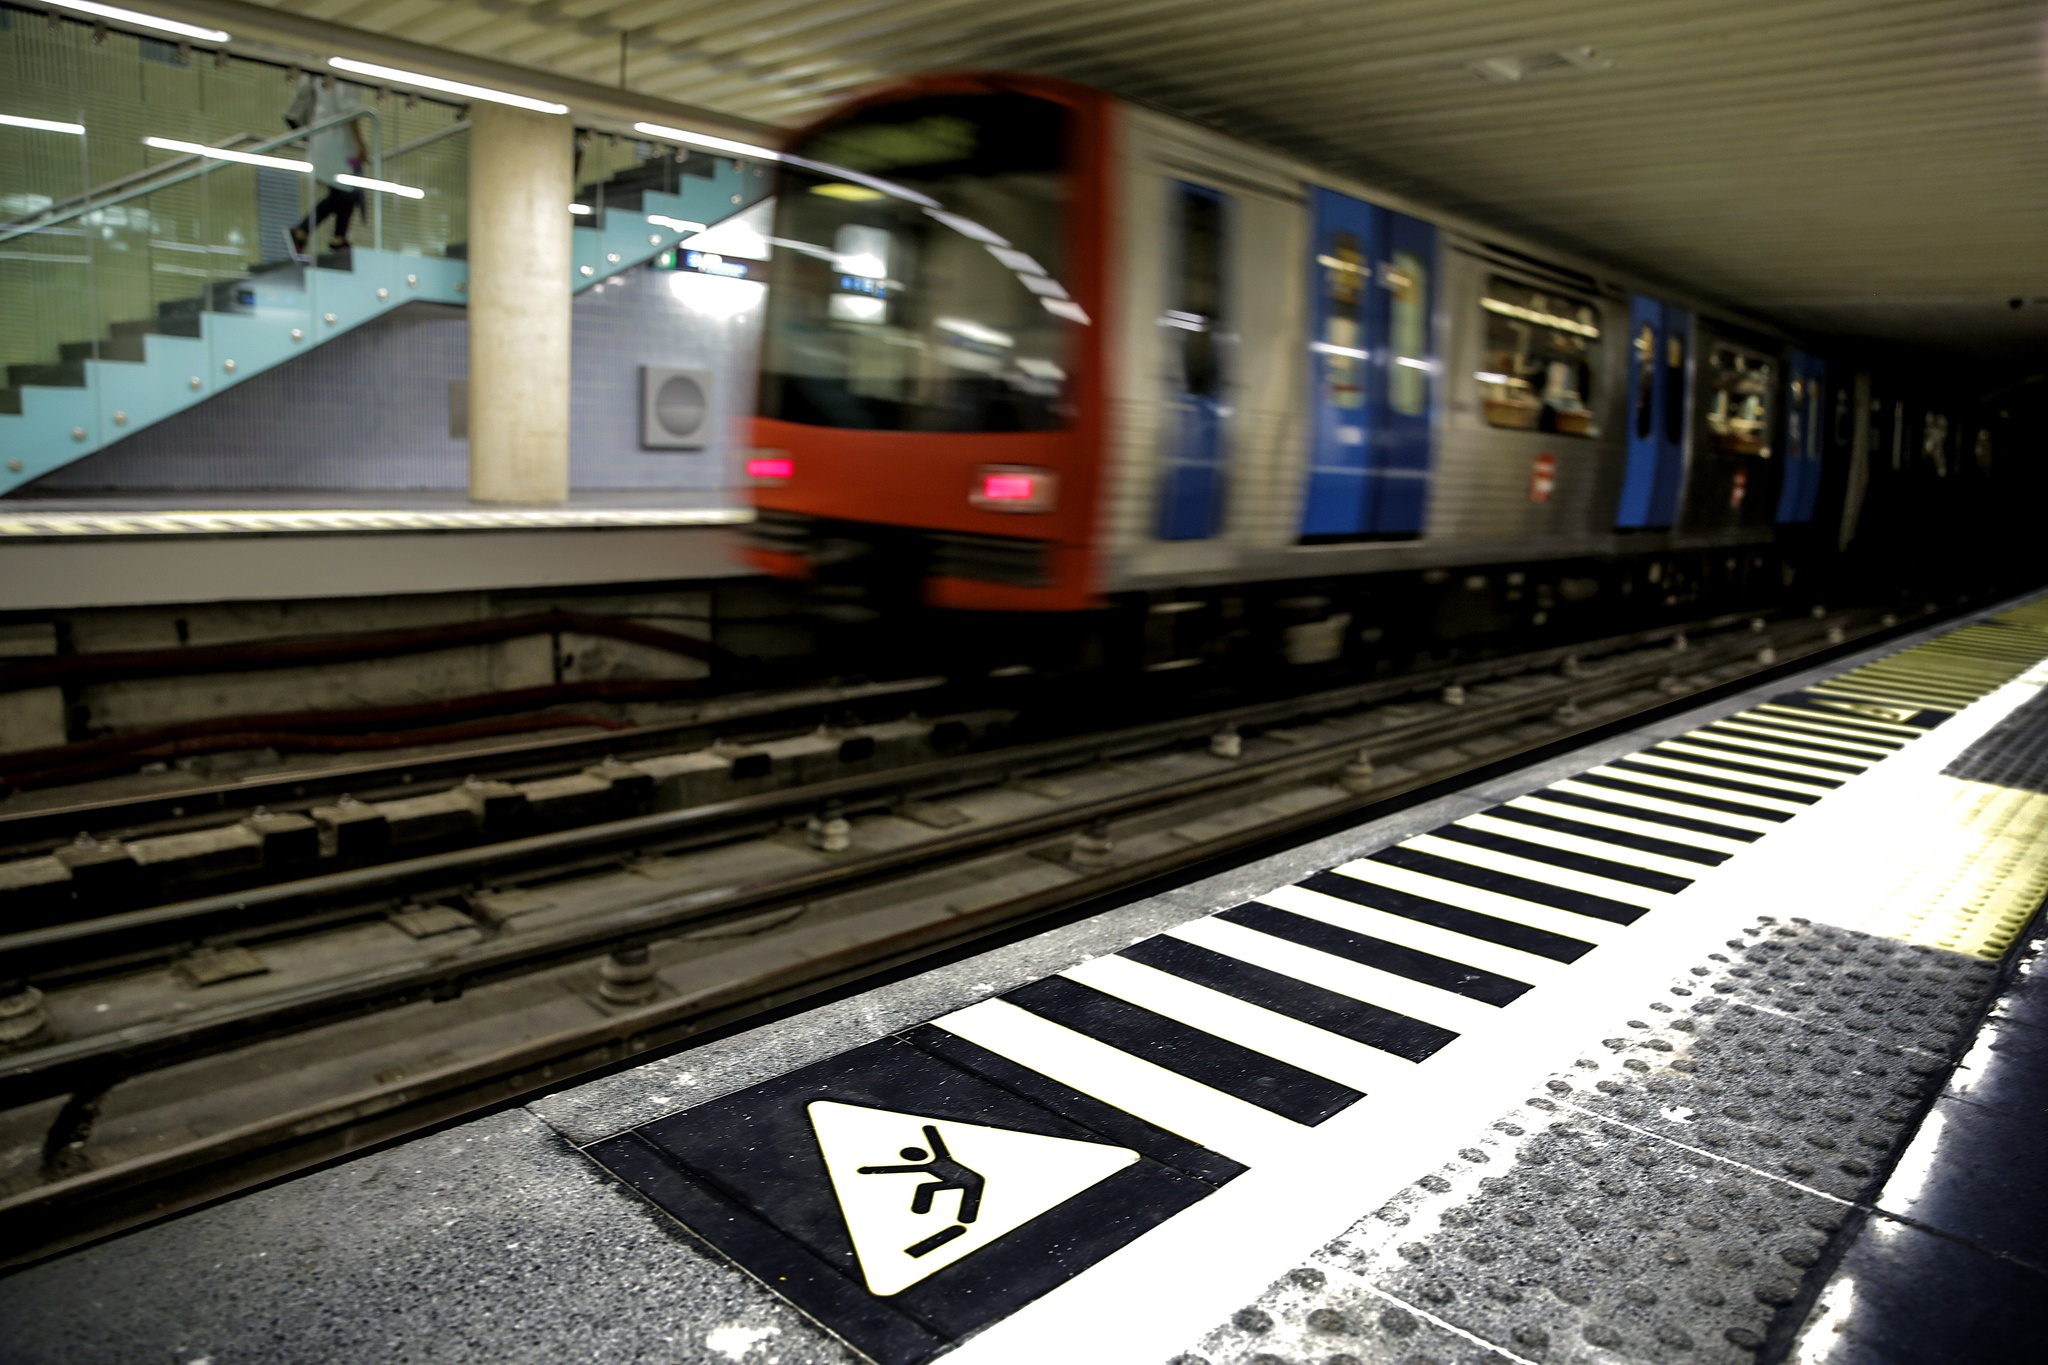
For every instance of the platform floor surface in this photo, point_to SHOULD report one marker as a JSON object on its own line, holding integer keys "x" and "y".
{"x": 1719, "y": 1040}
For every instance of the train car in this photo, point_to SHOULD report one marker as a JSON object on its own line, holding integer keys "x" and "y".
{"x": 1036, "y": 351}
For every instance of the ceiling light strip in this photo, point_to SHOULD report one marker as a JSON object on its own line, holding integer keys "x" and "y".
{"x": 446, "y": 87}
{"x": 115, "y": 15}
{"x": 42, "y": 125}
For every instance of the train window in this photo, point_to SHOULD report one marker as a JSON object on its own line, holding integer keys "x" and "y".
{"x": 1542, "y": 352}
{"x": 1344, "y": 275}
{"x": 1934, "y": 443}
{"x": 1740, "y": 390}
{"x": 1407, "y": 281}
{"x": 1645, "y": 400}
{"x": 924, "y": 291}
{"x": 1674, "y": 390}
{"x": 1198, "y": 302}
{"x": 1195, "y": 328}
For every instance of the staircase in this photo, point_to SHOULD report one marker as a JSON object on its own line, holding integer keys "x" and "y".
{"x": 94, "y": 392}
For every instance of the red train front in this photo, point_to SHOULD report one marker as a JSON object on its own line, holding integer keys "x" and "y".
{"x": 933, "y": 354}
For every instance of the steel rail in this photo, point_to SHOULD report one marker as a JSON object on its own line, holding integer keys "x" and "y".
{"x": 95, "y": 1062}
{"x": 196, "y": 807}
{"x": 742, "y": 982}
{"x": 200, "y": 807}
{"x": 34, "y": 952}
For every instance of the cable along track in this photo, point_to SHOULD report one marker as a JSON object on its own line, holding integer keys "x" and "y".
{"x": 200, "y": 1046}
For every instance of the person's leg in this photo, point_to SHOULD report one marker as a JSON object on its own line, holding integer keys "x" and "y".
{"x": 328, "y": 207}
{"x": 346, "y": 204}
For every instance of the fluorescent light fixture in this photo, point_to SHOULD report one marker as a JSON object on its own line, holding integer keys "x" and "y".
{"x": 446, "y": 87}
{"x": 1332, "y": 348}
{"x": 276, "y": 163}
{"x": 1541, "y": 319}
{"x": 876, "y": 183}
{"x": 363, "y": 182}
{"x": 1066, "y": 308}
{"x": 852, "y": 194}
{"x": 580, "y": 210}
{"x": 1044, "y": 286}
{"x": 149, "y": 21}
{"x": 1489, "y": 377}
{"x": 1414, "y": 362}
{"x": 44, "y": 125}
{"x": 706, "y": 141}
{"x": 1017, "y": 261}
{"x": 974, "y": 331}
{"x": 856, "y": 308}
{"x": 803, "y": 248}
{"x": 966, "y": 227}
{"x": 672, "y": 224}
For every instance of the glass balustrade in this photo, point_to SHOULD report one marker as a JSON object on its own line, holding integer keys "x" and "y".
{"x": 111, "y": 230}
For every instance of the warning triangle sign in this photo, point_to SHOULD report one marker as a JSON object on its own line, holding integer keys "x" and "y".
{"x": 919, "y": 1193}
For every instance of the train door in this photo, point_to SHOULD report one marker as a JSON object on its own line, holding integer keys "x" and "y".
{"x": 1660, "y": 341}
{"x": 1398, "y": 498}
{"x": 1674, "y": 450}
{"x": 1196, "y": 451}
{"x": 1372, "y": 347}
{"x": 1340, "y": 437}
{"x": 1804, "y": 438}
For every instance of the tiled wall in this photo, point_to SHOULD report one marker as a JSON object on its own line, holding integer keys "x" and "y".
{"x": 368, "y": 411}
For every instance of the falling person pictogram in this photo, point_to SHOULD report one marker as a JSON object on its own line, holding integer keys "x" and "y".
{"x": 946, "y": 1174}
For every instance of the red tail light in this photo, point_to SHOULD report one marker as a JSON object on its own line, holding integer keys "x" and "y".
{"x": 1013, "y": 488}
{"x": 775, "y": 468}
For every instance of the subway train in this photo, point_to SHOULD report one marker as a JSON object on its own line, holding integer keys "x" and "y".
{"x": 1077, "y": 381}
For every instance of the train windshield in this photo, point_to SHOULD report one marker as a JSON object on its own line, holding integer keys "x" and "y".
{"x": 924, "y": 290}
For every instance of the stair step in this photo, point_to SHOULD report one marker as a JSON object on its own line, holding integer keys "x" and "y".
{"x": 119, "y": 347}
{"x": 67, "y": 374}
{"x": 183, "y": 326}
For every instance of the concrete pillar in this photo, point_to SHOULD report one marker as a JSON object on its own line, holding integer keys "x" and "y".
{"x": 521, "y": 179}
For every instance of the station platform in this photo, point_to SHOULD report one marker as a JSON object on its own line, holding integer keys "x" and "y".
{"x": 1721, "y": 1039}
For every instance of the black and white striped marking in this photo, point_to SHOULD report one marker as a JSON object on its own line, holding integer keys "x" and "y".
{"x": 1250, "y": 1054}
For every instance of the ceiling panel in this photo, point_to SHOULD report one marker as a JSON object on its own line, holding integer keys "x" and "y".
{"x": 1872, "y": 167}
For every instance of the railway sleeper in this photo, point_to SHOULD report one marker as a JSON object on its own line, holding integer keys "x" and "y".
{"x": 98, "y": 876}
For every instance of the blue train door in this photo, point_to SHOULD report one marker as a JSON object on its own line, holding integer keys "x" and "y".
{"x": 1803, "y": 437}
{"x": 1659, "y": 392}
{"x": 1345, "y": 245}
{"x": 1195, "y": 454}
{"x": 1400, "y": 497}
{"x": 1372, "y": 369}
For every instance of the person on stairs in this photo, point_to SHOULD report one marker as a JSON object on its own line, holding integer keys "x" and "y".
{"x": 337, "y": 149}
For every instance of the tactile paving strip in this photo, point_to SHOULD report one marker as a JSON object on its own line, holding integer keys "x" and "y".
{"x": 1664, "y": 1202}
{"x": 1950, "y": 671}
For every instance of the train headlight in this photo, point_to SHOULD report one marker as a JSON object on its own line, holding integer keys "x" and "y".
{"x": 1013, "y": 488}
{"x": 770, "y": 466}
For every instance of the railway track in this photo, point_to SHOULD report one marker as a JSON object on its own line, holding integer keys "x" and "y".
{"x": 185, "y": 1048}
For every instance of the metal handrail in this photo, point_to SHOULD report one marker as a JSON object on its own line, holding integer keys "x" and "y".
{"x": 50, "y": 218}
{"x": 459, "y": 126}
{"x": 238, "y": 142}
